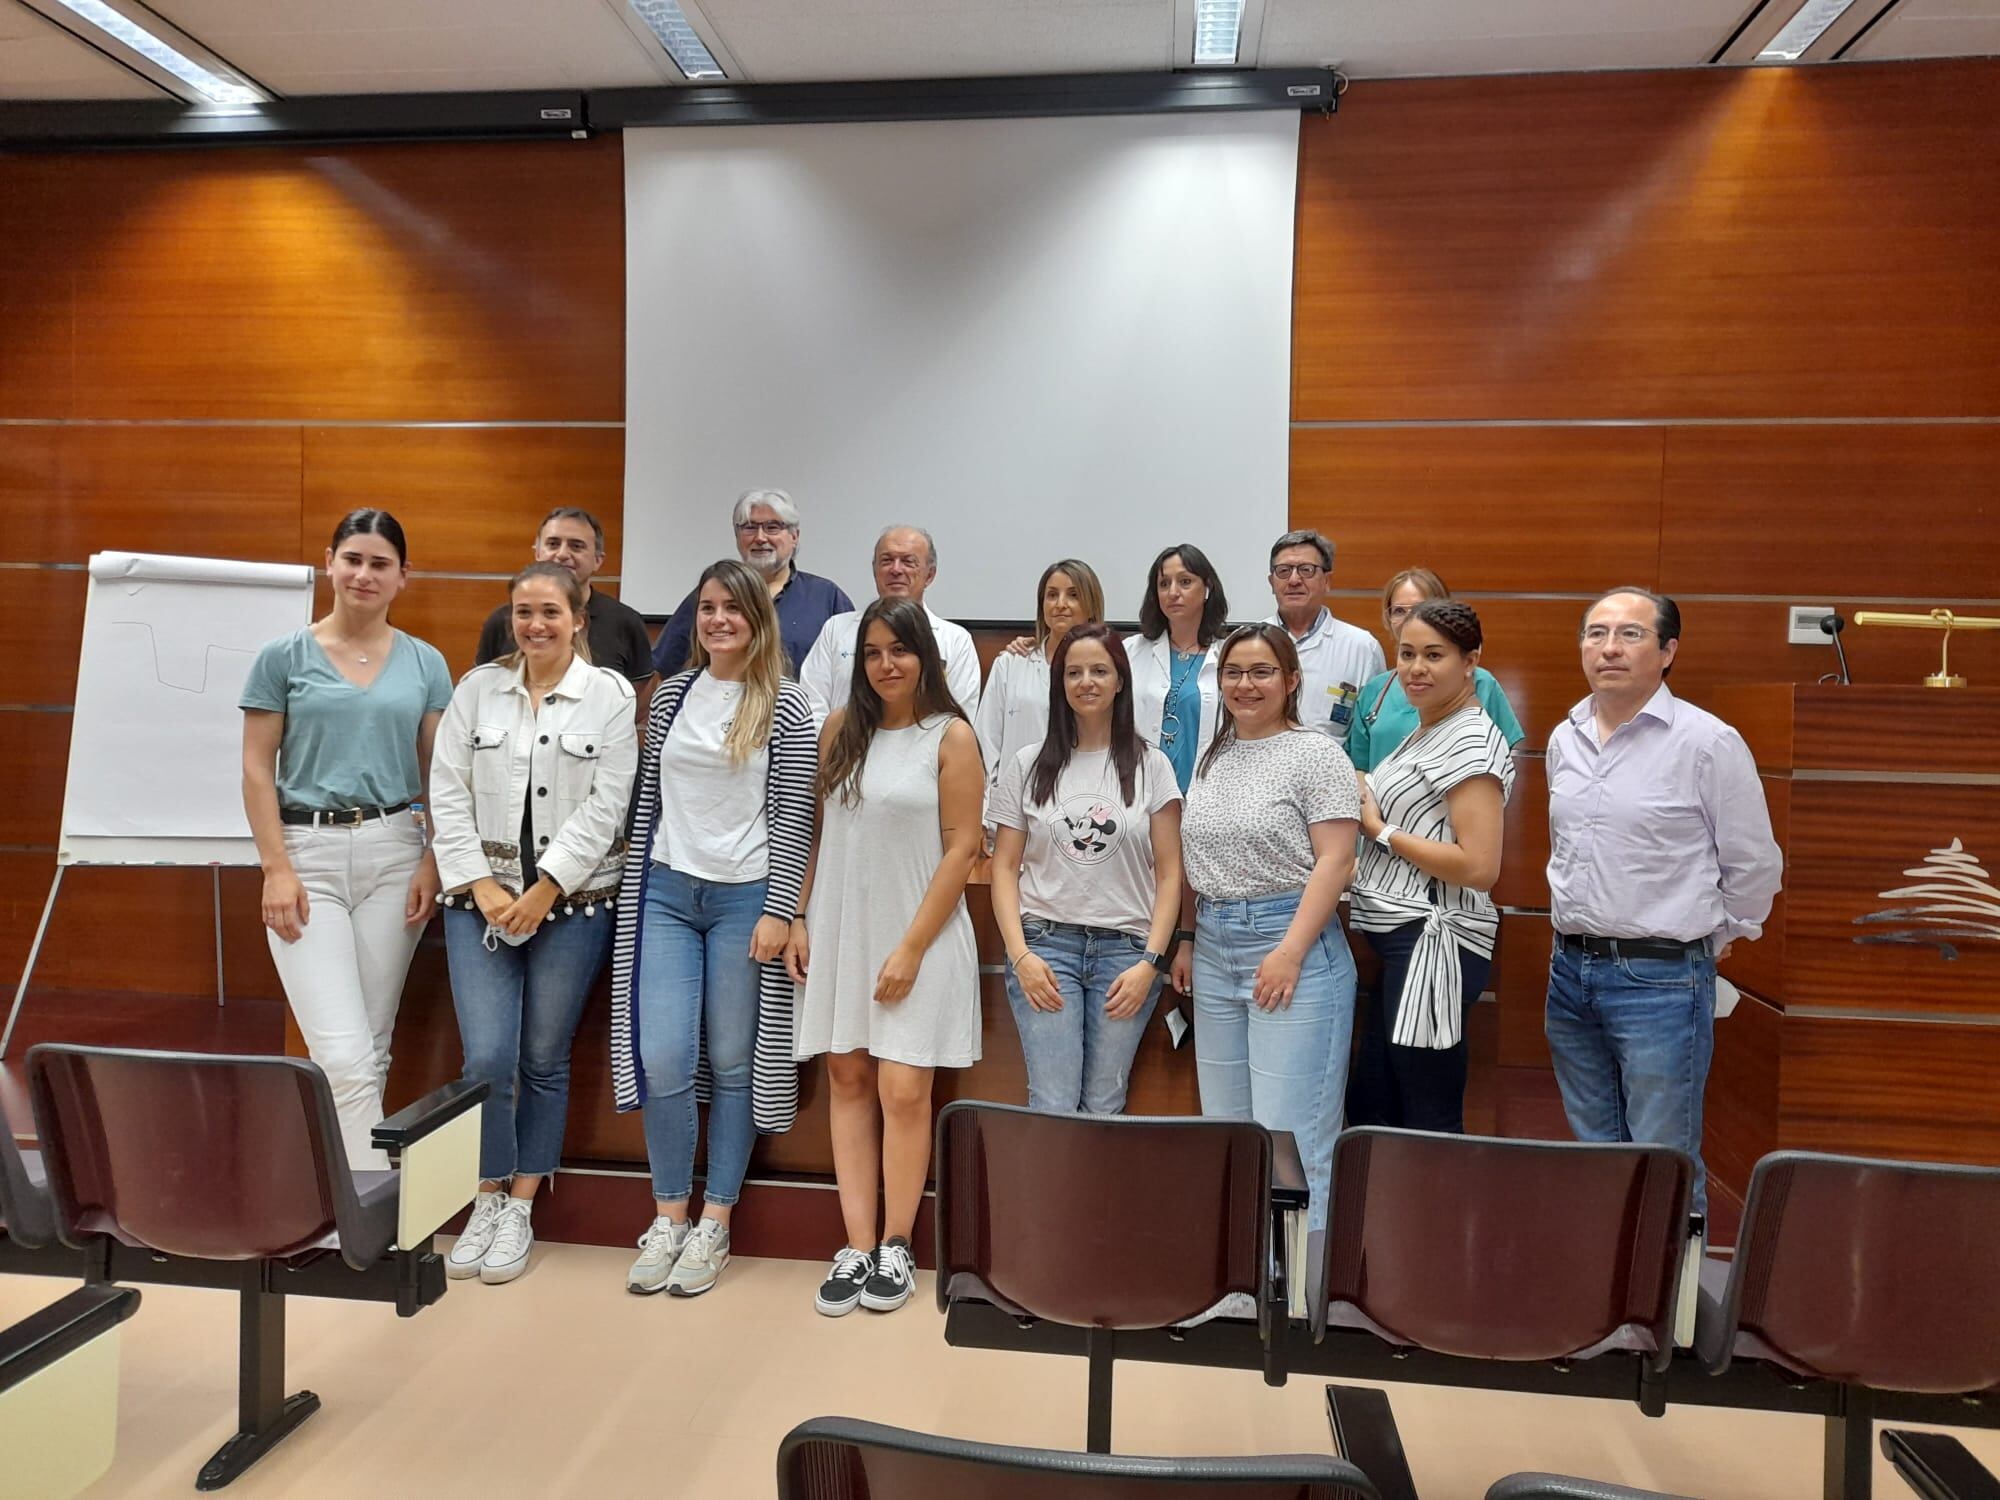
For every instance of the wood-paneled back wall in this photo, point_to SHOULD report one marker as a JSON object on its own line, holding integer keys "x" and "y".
{"x": 1735, "y": 334}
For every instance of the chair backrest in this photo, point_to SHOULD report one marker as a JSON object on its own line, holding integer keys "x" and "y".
{"x": 1563, "y": 1487}
{"x": 220, "y": 1158}
{"x": 833, "y": 1458}
{"x": 1504, "y": 1249}
{"x": 1876, "y": 1273}
{"x": 26, "y": 1215}
{"x": 1099, "y": 1221}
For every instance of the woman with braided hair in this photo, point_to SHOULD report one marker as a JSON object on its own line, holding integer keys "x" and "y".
{"x": 1431, "y": 821}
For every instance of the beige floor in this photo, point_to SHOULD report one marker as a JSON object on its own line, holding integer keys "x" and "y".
{"x": 563, "y": 1385}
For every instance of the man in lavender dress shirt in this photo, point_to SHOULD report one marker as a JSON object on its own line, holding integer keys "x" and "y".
{"x": 1660, "y": 857}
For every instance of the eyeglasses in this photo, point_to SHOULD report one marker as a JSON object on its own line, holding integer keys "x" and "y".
{"x": 1297, "y": 570}
{"x": 1628, "y": 635}
{"x": 1263, "y": 676}
{"x": 763, "y": 528}
{"x": 1398, "y": 612}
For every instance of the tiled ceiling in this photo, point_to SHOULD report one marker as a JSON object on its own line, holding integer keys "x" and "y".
{"x": 297, "y": 47}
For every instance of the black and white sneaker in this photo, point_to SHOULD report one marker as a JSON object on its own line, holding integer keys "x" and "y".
{"x": 894, "y": 1279}
{"x": 852, "y": 1269}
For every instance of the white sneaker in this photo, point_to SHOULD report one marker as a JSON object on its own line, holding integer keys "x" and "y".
{"x": 659, "y": 1247}
{"x": 470, "y": 1252}
{"x": 513, "y": 1238}
{"x": 701, "y": 1260}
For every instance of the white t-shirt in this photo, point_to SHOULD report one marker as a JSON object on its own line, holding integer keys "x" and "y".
{"x": 1089, "y": 858}
{"x": 1244, "y": 832}
{"x": 712, "y": 822}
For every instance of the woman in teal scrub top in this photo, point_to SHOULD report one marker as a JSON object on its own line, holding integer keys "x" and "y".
{"x": 1383, "y": 717}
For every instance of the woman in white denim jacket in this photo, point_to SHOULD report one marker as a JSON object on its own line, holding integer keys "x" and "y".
{"x": 530, "y": 781}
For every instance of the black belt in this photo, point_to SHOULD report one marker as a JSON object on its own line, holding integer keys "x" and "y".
{"x": 339, "y": 817}
{"x": 1604, "y": 947}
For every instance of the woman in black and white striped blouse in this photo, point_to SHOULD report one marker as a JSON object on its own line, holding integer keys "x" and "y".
{"x": 1431, "y": 818}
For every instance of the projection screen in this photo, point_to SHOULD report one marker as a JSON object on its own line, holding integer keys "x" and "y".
{"x": 1037, "y": 338}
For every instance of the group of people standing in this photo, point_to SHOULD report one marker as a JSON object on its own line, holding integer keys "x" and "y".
{"x": 771, "y": 843}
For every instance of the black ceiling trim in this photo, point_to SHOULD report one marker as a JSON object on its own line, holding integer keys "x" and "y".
{"x": 1882, "y": 14}
{"x": 344, "y": 117}
{"x": 1741, "y": 26}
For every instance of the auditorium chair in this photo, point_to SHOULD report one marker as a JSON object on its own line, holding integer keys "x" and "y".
{"x": 198, "y": 1170}
{"x": 59, "y": 1393}
{"x": 1938, "y": 1467}
{"x": 1877, "y": 1276}
{"x": 1563, "y": 1487}
{"x": 1501, "y": 1252}
{"x": 27, "y": 1218}
{"x": 834, "y": 1458}
{"x": 1108, "y": 1224}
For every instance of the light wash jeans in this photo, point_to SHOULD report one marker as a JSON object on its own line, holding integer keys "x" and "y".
{"x": 517, "y": 1012}
{"x": 698, "y": 981}
{"x": 1286, "y": 1069}
{"x": 1631, "y": 1039}
{"x": 1079, "y": 1058}
{"x": 344, "y": 976}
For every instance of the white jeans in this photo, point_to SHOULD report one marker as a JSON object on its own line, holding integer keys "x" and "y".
{"x": 344, "y": 976}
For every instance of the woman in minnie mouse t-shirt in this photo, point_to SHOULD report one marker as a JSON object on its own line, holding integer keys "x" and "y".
{"x": 1086, "y": 880}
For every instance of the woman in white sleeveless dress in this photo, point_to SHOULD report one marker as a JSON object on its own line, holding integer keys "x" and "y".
{"x": 884, "y": 954}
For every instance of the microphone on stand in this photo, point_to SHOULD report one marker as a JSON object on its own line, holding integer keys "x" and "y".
{"x": 1832, "y": 625}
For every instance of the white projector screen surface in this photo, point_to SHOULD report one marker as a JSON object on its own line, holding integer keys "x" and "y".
{"x": 1035, "y": 337}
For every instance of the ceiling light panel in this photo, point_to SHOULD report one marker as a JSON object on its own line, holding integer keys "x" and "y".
{"x": 1218, "y": 33}
{"x": 202, "y": 81}
{"x": 1807, "y": 25}
{"x": 667, "y": 21}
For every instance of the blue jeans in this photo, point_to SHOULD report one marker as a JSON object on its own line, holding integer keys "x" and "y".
{"x": 1286, "y": 1069}
{"x": 1631, "y": 1039}
{"x": 517, "y": 1014}
{"x": 698, "y": 980}
{"x": 1079, "y": 1058}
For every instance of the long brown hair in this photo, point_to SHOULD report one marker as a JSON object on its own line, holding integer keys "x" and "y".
{"x": 1280, "y": 641}
{"x": 841, "y": 767}
{"x": 1090, "y": 593}
{"x": 765, "y": 665}
{"x": 564, "y": 580}
{"x": 1126, "y": 746}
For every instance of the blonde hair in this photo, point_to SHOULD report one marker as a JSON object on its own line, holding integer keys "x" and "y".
{"x": 765, "y": 666}
{"x": 1088, "y": 588}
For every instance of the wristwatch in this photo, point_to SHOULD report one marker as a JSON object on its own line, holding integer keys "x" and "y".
{"x": 1389, "y": 830}
{"x": 1161, "y": 962}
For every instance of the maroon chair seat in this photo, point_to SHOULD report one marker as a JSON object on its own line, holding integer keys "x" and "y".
{"x": 833, "y": 1458}
{"x": 1878, "y": 1274}
{"x": 1505, "y": 1249}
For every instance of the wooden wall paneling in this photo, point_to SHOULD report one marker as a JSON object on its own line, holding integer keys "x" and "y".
{"x": 41, "y": 617}
{"x": 1918, "y": 1091}
{"x": 1524, "y": 855}
{"x": 1740, "y": 1109}
{"x": 1875, "y": 510}
{"x": 1900, "y": 729}
{"x": 1637, "y": 245}
{"x": 135, "y": 928}
{"x": 35, "y": 309}
{"x": 1851, "y": 841}
{"x": 1491, "y": 510}
{"x": 469, "y": 498}
{"x": 1520, "y": 984}
{"x": 38, "y": 763}
{"x": 202, "y": 491}
{"x": 1730, "y": 641}
{"x": 479, "y": 281}
{"x": 1531, "y": 647}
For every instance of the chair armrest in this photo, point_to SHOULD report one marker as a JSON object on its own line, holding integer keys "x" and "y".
{"x": 59, "y": 1330}
{"x": 434, "y": 1111}
{"x": 1938, "y": 1467}
{"x": 1288, "y": 1172}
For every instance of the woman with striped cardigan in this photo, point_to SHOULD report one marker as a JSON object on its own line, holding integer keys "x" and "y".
{"x": 721, "y": 834}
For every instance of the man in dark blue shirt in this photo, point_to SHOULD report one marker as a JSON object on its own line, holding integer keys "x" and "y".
{"x": 767, "y": 537}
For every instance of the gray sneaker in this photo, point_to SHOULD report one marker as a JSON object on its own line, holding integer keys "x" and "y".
{"x": 659, "y": 1248}
{"x": 513, "y": 1238}
{"x": 476, "y": 1239}
{"x": 701, "y": 1260}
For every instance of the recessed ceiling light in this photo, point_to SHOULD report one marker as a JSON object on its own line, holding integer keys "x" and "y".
{"x": 1806, "y": 26}
{"x": 666, "y": 20}
{"x": 1218, "y": 31}
{"x": 212, "y": 86}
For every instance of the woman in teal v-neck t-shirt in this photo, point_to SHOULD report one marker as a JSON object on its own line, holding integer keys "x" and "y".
{"x": 337, "y": 727}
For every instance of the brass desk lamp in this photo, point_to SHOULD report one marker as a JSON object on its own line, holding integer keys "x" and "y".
{"x": 1937, "y": 619}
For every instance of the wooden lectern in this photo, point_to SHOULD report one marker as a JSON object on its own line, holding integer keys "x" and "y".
{"x": 1870, "y": 1019}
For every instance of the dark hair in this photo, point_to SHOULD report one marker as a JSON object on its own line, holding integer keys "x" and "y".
{"x": 1126, "y": 746}
{"x": 573, "y": 513}
{"x": 367, "y": 522}
{"x": 572, "y": 591}
{"x": 1454, "y": 621}
{"x": 840, "y": 769}
{"x": 1304, "y": 538}
{"x": 1214, "y": 610}
{"x": 1279, "y": 640}
{"x": 1666, "y": 614}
